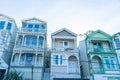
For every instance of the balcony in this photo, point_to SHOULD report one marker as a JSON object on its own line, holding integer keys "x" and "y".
{"x": 100, "y": 50}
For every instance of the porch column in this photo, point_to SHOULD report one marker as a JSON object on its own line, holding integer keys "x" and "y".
{"x": 12, "y": 58}
{"x": 19, "y": 57}
{"x": 16, "y": 39}
{"x": 37, "y": 40}
{"x": 36, "y": 59}
{"x": 22, "y": 40}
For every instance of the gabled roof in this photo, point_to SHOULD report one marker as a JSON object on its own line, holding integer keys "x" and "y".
{"x": 99, "y": 31}
{"x": 34, "y": 18}
{"x": 9, "y": 18}
{"x": 64, "y": 29}
{"x": 116, "y": 34}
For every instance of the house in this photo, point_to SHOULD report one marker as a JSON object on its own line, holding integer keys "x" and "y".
{"x": 29, "y": 50}
{"x": 116, "y": 41}
{"x": 64, "y": 56}
{"x": 8, "y": 29}
{"x": 98, "y": 57}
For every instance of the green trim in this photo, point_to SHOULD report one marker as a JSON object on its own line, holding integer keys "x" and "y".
{"x": 113, "y": 78}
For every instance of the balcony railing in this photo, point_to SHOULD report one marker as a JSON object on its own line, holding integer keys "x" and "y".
{"x": 67, "y": 49}
{"x": 25, "y": 64}
{"x": 33, "y": 30}
{"x": 98, "y": 70}
{"x": 100, "y": 50}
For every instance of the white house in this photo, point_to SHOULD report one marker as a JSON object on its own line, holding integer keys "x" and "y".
{"x": 8, "y": 29}
{"x": 64, "y": 56}
{"x": 116, "y": 41}
{"x": 29, "y": 49}
{"x": 98, "y": 57}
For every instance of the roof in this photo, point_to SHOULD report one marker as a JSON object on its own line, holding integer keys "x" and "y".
{"x": 98, "y": 31}
{"x": 34, "y": 18}
{"x": 63, "y": 30}
{"x": 9, "y": 18}
{"x": 116, "y": 34}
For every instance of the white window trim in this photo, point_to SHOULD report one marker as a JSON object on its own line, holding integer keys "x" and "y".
{"x": 63, "y": 63}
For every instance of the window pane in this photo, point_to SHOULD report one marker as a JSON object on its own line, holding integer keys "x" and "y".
{"x": 9, "y": 25}
{"x": 65, "y": 43}
{"x": 27, "y": 40}
{"x": 34, "y": 40}
{"x": 2, "y": 23}
{"x": 113, "y": 64}
{"x": 55, "y": 59}
{"x": 36, "y": 25}
{"x": 117, "y": 42}
{"x": 36, "y": 29}
{"x": 30, "y": 25}
{"x": 41, "y": 41}
{"x": 60, "y": 59}
{"x": 107, "y": 64}
{"x": 29, "y": 59}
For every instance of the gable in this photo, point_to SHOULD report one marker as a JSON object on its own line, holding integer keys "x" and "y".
{"x": 63, "y": 33}
{"x": 99, "y": 35}
{"x": 33, "y": 20}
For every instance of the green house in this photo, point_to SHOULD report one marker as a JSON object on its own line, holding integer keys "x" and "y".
{"x": 98, "y": 57}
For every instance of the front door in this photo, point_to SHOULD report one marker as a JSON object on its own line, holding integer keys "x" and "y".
{"x": 72, "y": 67}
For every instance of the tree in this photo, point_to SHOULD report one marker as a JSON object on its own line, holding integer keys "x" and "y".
{"x": 14, "y": 75}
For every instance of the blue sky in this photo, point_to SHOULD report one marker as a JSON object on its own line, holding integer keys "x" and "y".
{"x": 78, "y": 16}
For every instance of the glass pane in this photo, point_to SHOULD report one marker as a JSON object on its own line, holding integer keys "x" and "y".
{"x": 107, "y": 63}
{"x": 9, "y": 25}
{"x": 34, "y": 40}
{"x": 65, "y": 43}
{"x": 60, "y": 59}
{"x": 56, "y": 59}
{"x": 27, "y": 40}
{"x": 36, "y": 25}
{"x": 2, "y": 23}
{"x": 30, "y": 25}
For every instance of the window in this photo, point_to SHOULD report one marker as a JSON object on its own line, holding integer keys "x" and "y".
{"x": 22, "y": 58}
{"x": 34, "y": 41}
{"x": 30, "y": 41}
{"x": 117, "y": 43}
{"x": 36, "y": 28}
{"x": 65, "y": 44}
{"x": 107, "y": 64}
{"x": 59, "y": 59}
{"x": 55, "y": 59}
{"x": 29, "y": 59}
{"x": 110, "y": 63}
{"x": 9, "y": 25}
{"x": 97, "y": 46}
{"x": 2, "y": 23}
{"x": 42, "y": 26}
{"x": 41, "y": 42}
{"x": 30, "y": 26}
{"x": 27, "y": 40}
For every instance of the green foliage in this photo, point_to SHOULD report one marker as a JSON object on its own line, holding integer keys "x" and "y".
{"x": 14, "y": 75}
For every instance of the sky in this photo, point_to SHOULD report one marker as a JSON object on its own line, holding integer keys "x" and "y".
{"x": 79, "y": 16}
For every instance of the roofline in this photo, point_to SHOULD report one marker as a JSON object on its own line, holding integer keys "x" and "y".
{"x": 10, "y": 18}
{"x": 25, "y": 20}
{"x": 62, "y": 30}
